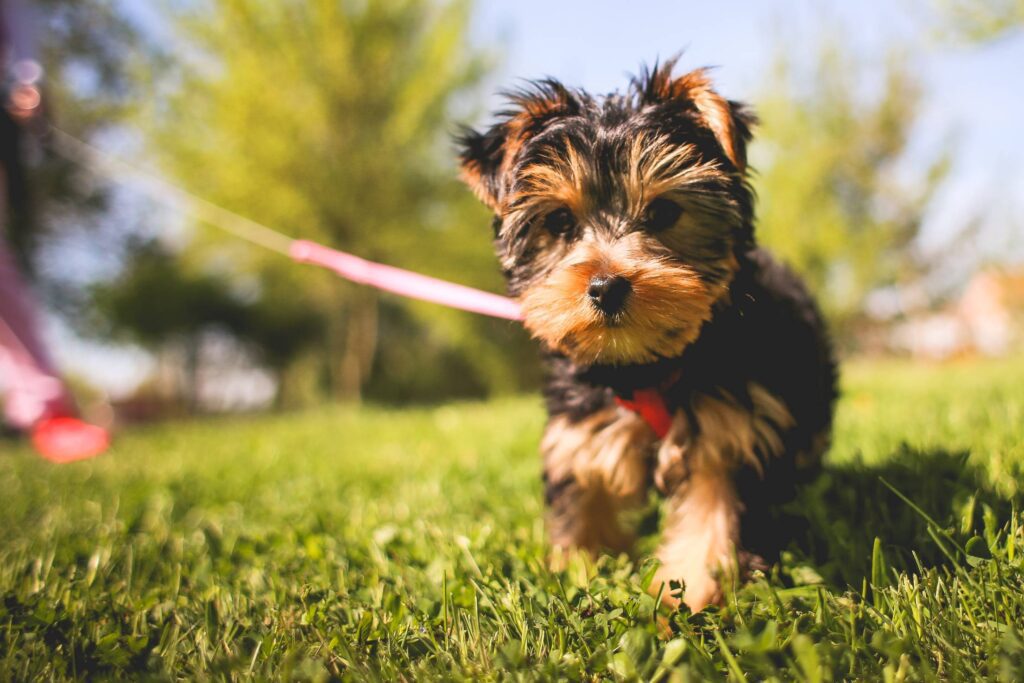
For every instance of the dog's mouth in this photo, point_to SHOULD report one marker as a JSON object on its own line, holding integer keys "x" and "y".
{"x": 633, "y": 335}
{"x": 614, "y": 320}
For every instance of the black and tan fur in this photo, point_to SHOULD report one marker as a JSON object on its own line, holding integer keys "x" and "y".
{"x": 651, "y": 187}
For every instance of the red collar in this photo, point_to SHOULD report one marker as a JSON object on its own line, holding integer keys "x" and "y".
{"x": 650, "y": 404}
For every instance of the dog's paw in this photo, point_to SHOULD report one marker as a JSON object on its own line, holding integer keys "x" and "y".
{"x": 700, "y": 589}
{"x": 702, "y": 592}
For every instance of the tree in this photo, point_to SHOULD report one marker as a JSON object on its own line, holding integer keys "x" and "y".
{"x": 981, "y": 21}
{"x": 157, "y": 303}
{"x": 330, "y": 120}
{"x": 832, "y": 201}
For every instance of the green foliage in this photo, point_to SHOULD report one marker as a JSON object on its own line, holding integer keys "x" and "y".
{"x": 156, "y": 300}
{"x": 366, "y": 544}
{"x": 831, "y": 200}
{"x": 331, "y": 121}
{"x": 981, "y": 21}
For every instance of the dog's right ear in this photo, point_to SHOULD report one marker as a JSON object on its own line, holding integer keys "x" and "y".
{"x": 730, "y": 122}
{"x": 482, "y": 156}
{"x": 487, "y": 157}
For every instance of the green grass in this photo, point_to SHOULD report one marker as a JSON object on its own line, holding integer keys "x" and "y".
{"x": 409, "y": 544}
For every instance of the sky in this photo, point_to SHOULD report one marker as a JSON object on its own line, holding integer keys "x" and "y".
{"x": 974, "y": 99}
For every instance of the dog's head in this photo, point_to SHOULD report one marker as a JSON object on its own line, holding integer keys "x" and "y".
{"x": 617, "y": 219}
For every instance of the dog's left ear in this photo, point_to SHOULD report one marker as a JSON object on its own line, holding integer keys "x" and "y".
{"x": 481, "y": 156}
{"x": 729, "y": 121}
{"x": 486, "y": 157}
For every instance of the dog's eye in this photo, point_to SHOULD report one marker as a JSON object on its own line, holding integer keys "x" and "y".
{"x": 559, "y": 221}
{"x": 662, "y": 214}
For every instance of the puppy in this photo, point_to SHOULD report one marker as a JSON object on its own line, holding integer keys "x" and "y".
{"x": 678, "y": 352}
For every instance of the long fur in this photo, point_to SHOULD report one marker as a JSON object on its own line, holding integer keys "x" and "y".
{"x": 572, "y": 180}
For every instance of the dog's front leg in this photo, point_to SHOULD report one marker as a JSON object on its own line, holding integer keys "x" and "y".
{"x": 593, "y": 469}
{"x": 696, "y": 464}
{"x": 700, "y": 537}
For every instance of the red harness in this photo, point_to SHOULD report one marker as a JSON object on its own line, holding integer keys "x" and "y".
{"x": 650, "y": 404}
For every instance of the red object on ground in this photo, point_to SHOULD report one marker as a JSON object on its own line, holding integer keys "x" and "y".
{"x": 66, "y": 439}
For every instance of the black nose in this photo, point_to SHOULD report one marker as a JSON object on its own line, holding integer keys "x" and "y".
{"x": 609, "y": 292}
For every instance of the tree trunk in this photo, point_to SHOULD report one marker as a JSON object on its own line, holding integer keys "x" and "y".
{"x": 191, "y": 393}
{"x": 360, "y": 347}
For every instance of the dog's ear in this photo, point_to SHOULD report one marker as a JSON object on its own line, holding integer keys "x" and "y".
{"x": 481, "y": 156}
{"x": 729, "y": 121}
{"x": 487, "y": 157}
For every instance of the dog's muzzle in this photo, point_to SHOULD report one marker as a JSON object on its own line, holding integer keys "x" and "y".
{"x": 608, "y": 293}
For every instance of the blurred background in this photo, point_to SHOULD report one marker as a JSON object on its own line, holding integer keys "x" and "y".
{"x": 888, "y": 168}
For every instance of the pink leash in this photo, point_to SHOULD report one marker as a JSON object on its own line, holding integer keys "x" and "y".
{"x": 388, "y": 278}
{"x": 404, "y": 282}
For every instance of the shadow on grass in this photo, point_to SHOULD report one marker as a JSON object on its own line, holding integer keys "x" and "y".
{"x": 834, "y": 519}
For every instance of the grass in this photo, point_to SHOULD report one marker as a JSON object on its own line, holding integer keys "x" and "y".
{"x": 366, "y": 544}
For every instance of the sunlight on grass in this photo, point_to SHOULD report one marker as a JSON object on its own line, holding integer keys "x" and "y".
{"x": 380, "y": 543}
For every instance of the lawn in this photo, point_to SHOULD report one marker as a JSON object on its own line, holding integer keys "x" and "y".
{"x": 374, "y": 543}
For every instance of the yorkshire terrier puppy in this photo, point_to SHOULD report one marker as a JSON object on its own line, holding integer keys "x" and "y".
{"x": 678, "y": 352}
